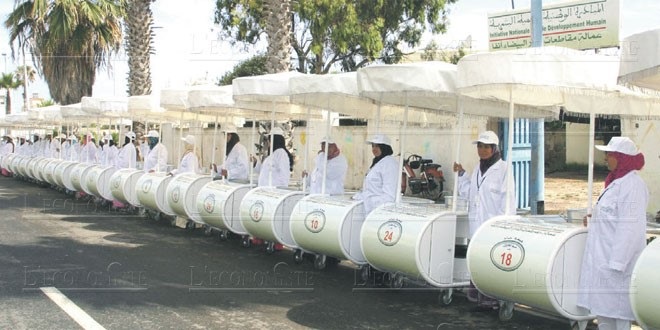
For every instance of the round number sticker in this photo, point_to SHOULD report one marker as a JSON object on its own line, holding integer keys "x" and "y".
{"x": 116, "y": 182}
{"x": 209, "y": 203}
{"x": 389, "y": 233}
{"x": 146, "y": 186}
{"x": 257, "y": 211}
{"x": 507, "y": 255}
{"x": 315, "y": 221}
{"x": 176, "y": 193}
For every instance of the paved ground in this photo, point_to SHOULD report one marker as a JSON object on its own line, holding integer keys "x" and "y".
{"x": 127, "y": 272}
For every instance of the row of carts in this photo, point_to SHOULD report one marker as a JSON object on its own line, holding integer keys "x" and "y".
{"x": 534, "y": 261}
{"x": 417, "y": 241}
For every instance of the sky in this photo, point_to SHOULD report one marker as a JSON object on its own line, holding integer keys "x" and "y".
{"x": 188, "y": 49}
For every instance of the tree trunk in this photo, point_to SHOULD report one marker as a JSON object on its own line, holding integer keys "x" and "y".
{"x": 278, "y": 30}
{"x": 139, "y": 21}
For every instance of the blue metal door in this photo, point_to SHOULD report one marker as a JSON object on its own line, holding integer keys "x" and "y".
{"x": 521, "y": 158}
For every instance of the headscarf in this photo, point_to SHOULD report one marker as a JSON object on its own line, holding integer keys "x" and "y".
{"x": 385, "y": 150}
{"x": 279, "y": 142}
{"x": 624, "y": 164}
{"x": 189, "y": 148}
{"x": 334, "y": 153}
{"x": 232, "y": 142}
{"x": 485, "y": 164}
{"x": 152, "y": 141}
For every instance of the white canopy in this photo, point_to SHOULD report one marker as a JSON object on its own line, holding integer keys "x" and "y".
{"x": 174, "y": 99}
{"x": 640, "y": 60}
{"x": 48, "y": 115}
{"x": 269, "y": 92}
{"x": 104, "y": 106}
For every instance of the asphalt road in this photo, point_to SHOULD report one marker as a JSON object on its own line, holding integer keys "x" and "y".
{"x": 123, "y": 271}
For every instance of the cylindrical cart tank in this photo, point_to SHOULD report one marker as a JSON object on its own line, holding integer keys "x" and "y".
{"x": 23, "y": 166}
{"x": 123, "y": 185}
{"x": 266, "y": 212}
{"x": 6, "y": 161}
{"x": 182, "y": 194}
{"x": 39, "y": 169}
{"x": 78, "y": 175}
{"x": 31, "y": 167}
{"x": 151, "y": 188}
{"x": 13, "y": 163}
{"x": 416, "y": 240}
{"x": 98, "y": 181}
{"x": 59, "y": 172}
{"x": 49, "y": 171}
{"x": 329, "y": 225}
{"x": 534, "y": 260}
{"x": 644, "y": 288}
{"x": 219, "y": 205}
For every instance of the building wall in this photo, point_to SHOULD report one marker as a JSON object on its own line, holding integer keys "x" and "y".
{"x": 646, "y": 134}
{"x": 577, "y": 145}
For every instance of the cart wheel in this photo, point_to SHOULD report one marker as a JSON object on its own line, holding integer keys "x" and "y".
{"x": 246, "y": 241}
{"x": 579, "y": 325}
{"x": 397, "y": 281}
{"x": 157, "y": 216}
{"x": 364, "y": 272}
{"x": 506, "y": 310}
{"x": 190, "y": 225}
{"x": 270, "y": 247}
{"x": 208, "y": 230}
{"x": 446, "y": 296}
{"x": 222, "y": 235}
{"x": 173, "y": 222}
{"x": 298, "y": 256}
{"x": 319, "y": 261}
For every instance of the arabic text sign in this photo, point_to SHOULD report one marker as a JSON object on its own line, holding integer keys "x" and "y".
{"x": 576, "y": 24}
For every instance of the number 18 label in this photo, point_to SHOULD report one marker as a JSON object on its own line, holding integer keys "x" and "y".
{"x": 507, "y": 255}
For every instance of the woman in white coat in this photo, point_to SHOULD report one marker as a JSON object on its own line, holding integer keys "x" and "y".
{"x": 189, "y": 161}
{"x": 156, "y": 158}
{"x": 335, "y": 171}
{"x": 236, "y": 165}
{"x": 380, "y": 183}
{"x": 127, "y": 155}
{"x": 616, "y": 238}
{"x": 276, "y": 168}
{"x": 486, "y": 193}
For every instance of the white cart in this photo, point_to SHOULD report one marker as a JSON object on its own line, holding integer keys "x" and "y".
{"x": 123, "y": 185}
{"x": 535, "y": 261}
{"x": 644, "y": 289}
{"x": 150, "y": 189}
{"x": 182, "y": 194}
{"x": 218, "y": 204}
{"x": 265, "y": 213}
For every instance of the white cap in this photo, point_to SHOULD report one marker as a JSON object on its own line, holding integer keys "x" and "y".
{"x": 188, "y": 139}
{"x": 108, "y": 137}
{"x": 277, "y": 131}
{"x": 61, "y": 136}
{"x": 620, "y": 144}
{"x": 130, "y": 135}
{"x": 380, "y": 139}
{"x": 487, "y": 137}
{"x": 328, "y": 139}
{"x": 73, "y": 137}
{"x": 153, "y": 133}
{"x": 229, "y": 128}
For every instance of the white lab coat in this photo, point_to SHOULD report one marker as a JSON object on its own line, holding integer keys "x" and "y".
{"x": 335, "y": 175}
{"x": 380, "y": 184}
{"x": 111, "y": 153}
{"x": 189, "y": 164}
{"x": 617, "y": 236}
{"x": 126, "y": 157}
{"x": 89, "y": 154}
{"x": 237, "y": 163}
{"x": 156, "y": 159}
{"x": 280, "y": 169}
{"x": 486, "y": 194}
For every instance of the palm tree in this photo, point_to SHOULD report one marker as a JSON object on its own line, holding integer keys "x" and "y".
{"x": 31, "y": 77}
{"x": 278, "y": 29}
{"x": 139, "y": 33}
{"x": 9, "y": 82}
{"x": 69, "y": 40}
